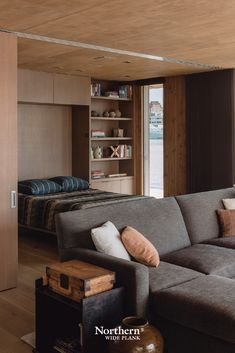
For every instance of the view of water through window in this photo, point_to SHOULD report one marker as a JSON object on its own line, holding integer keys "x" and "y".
{"x": 156, "y": 125}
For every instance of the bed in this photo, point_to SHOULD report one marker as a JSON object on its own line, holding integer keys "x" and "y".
{"x": 37, "y": 212}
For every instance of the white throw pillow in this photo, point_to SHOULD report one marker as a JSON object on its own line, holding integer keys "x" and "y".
{"x": 107, "y": 240}
{"x": 229, "y": 204}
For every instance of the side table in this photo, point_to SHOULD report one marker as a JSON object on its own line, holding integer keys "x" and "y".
{"x": 58, "y": 316}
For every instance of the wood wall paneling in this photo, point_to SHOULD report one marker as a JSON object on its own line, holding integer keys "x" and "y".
{"x": 81, "y": 142}
{"x": 72, "y": 90}
{"x": 45, "y": 140}
{"x": 35, "y": 86}
{"x": 138, "y": 145}
{"x": 8, "y": 160}
{"x": 210, "y": 115}
{"x": 175, "y": 180}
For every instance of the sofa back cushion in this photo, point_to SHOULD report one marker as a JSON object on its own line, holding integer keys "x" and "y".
{"x": 199, "y": 212}
{"x": 160, "y": 221}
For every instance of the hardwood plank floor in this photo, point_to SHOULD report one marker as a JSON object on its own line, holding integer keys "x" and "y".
{"x": 17, "y": 305}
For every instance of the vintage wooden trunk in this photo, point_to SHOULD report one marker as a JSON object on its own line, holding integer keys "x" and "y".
{"x": 78, "y": 280}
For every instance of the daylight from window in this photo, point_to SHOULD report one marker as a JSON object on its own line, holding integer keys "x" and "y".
{"x": 156, "y": 140}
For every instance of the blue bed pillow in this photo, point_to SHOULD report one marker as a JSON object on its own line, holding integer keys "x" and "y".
{"x": 70, "y": 183}
{"x": 38, "y": 187}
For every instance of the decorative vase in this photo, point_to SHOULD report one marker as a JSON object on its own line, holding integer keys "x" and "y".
{"x": 112, "y": 114}
{"x": 94, "y": 113}
{"x": 135, "y": 335}
{"x": 98, "y": 152}
{"x": 106, "y": 114}
{"x": 118, "y": 113}
{"x": 118, "y": 132}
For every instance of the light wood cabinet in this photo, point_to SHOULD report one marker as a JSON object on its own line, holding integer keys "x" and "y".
{"x": 123, "y": 185}
{"x": 127, "y": 186}
{"x": 73, "y": 90}
{"x": 8, "y": 160}
{"x": 48, "y": 88}
{"x": 107, "y": 185}
{"x": 35, "y": 86}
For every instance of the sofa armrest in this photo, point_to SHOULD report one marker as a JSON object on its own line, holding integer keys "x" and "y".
{"x": 133, "y": 276}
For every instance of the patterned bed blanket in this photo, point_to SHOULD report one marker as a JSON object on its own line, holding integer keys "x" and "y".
{"x": 38, "y": 211}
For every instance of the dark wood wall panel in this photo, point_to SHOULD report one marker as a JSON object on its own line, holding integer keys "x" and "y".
{"x": 138, "y": 138}
{"x": 174, "y": 136}
{"x": 210, "y": 134}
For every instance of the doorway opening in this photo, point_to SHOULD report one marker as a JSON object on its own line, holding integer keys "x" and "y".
{"x": 153, "y": 140}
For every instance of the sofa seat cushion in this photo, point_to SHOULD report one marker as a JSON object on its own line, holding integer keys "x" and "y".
{"x": 205, "y": 304}
{"x": 205, "y": 258}
{"x": 228, "y": 242}
{"x": 167, "y": 275}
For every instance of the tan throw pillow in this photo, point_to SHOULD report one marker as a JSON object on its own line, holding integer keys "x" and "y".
{"x": 139, "y": 247}
{"x": 227, "y": 222}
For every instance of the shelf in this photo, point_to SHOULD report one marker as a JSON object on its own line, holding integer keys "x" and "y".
{"x": 111, "y": 98}
{"x": 114, "y": 178}
{"x": 109, "y": 159}
{"x": 110, "y": 138}
{"x": 109, "y": 119}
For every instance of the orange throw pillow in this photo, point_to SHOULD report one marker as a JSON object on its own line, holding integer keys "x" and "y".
{"x": 227, "y": 222}
{"x": 139, "y": 247}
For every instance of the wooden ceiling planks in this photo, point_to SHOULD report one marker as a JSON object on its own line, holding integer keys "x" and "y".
{"x": 48, "y": 57}
{"x": 199, "y": 31}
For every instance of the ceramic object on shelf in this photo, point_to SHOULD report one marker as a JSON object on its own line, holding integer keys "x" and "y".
{"x": 94, "y": 113}
{"x": 92, "y": 153}
{"x": 150, "y": 339}
{"x": 118, "y": 132}
{"x": 106, "y": 114}
{"x": 112, "y": 114}
{"x": 118, "y": 113}
{"x": 98, "y": 152}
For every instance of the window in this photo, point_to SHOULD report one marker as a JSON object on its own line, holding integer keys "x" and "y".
{"x": 153, "y": 140}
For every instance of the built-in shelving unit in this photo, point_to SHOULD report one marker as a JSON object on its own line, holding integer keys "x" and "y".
{"x": 84, "y": 122}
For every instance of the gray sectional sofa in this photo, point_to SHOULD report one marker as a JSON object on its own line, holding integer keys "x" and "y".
{"x": 191, "y": 295}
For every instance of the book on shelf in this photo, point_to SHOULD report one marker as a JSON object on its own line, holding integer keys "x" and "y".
{"x": 98, "y": 177}
{"x": 129, "y": 151}
{"x": 95, "y": 89}
{"x": 125, "y": 151}
{"x": 97, "y": 133}
{"x": 67, "y": 345}
{"x": 97, "y": 174}
{"x": 111, "y": 94}
{"x": 117, "y": 175}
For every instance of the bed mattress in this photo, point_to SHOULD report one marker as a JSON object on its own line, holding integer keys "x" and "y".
{"x": 38, "y": 211}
